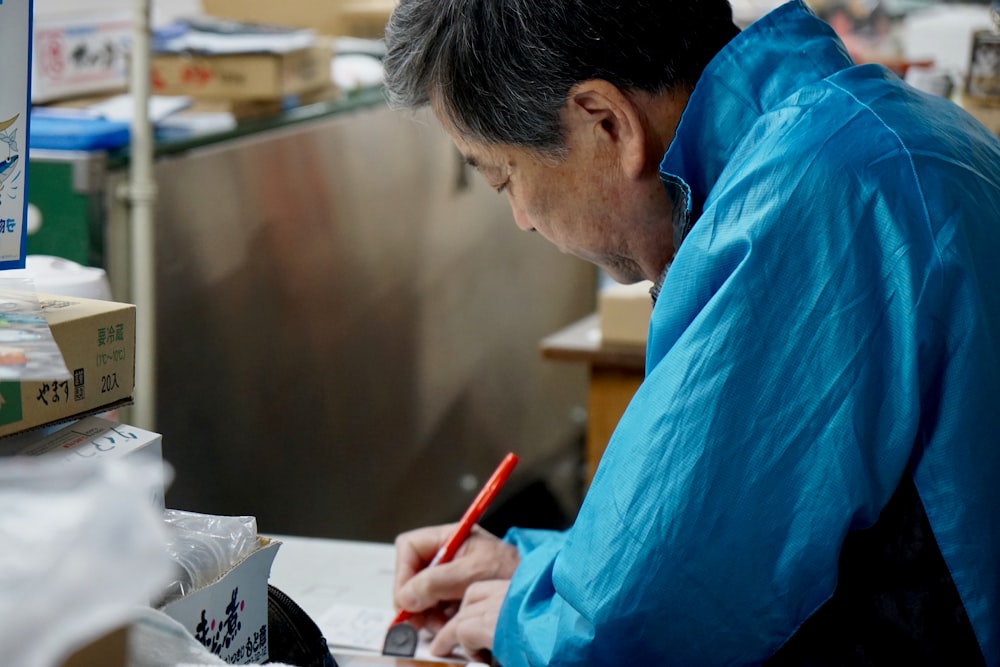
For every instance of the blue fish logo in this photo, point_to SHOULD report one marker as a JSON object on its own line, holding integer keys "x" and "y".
{"x": 7, "y": 168}
{"x": 9, "y": 137}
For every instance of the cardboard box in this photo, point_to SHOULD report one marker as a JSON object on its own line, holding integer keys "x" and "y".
{"x": 245, "y": 76}
{"x": 355, "y": 18}
{"x": 623, "y": 312}
{"x": 253, "y": 109}
{"x": 90, "y": 439}
{"x": 79, "y": 54}
{"x": 109, "y": 650}
{"x": 323, "y": 16}
{"x": 97, "y": 342}
{"x": 365, "y": 18}
{"x": 986, "y": 112}
{"x": 229, "y": 616}
{"x": 983, "y": 83}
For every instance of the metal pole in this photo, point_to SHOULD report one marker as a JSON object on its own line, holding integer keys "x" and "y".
{"x": 142, "y": 195}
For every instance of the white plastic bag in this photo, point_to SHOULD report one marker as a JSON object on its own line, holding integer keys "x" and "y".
{"x": 82, "y": 548}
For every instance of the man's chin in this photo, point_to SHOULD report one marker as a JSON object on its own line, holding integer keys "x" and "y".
{"x": 624, "y": 273}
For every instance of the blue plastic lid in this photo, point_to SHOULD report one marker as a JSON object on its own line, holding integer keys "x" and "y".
{"x": 76, "y": 133}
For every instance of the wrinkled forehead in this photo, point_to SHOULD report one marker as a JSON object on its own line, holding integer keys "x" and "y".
{"x": 484, "y": 154}
{"x": 453, "y": 123}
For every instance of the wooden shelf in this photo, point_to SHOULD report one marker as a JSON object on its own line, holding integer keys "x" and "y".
{"x": 581, "y": 341}
{"x": 616, "y": 371}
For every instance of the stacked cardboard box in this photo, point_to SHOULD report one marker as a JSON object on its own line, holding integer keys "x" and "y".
{"x": 243, "y": 77}
{"x": 623, "y": 312}
{"x": 352, "y": 18}
{"x": 97, "y": 342}
{"x": 90, "y": 439}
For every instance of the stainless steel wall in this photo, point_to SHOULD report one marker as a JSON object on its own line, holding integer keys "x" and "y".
{"x": 347, "y": 324}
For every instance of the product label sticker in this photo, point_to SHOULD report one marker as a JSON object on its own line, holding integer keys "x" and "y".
{"x": 27, "y": 349}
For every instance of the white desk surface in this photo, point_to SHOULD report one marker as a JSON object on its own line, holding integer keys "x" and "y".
{"x": 317, "y": 572}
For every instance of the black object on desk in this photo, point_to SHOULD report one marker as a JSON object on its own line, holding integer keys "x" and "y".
{"x": 292, "y": 636}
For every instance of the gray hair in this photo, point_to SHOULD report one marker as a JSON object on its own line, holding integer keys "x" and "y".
{"x": 501, "y": 69}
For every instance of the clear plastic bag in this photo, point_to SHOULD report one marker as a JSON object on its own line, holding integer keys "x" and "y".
{"x": 203, "y": 547}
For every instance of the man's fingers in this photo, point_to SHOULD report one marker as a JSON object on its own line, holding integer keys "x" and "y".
{"x": 415, "y": 549}
{"x": 435, "y": 618}
{"x": 419, "y": 588}
{"x": 432, "y": 585}
{"x": 445, "y": 639}
{"x": 471, "y": 629}
{"x": 474, "y": 625}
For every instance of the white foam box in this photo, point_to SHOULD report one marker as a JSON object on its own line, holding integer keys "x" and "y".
{"x": 90, "y": 439}
{"x": 97, "y": 342}
{"x": 79, "y": 53}
{"x": 623, "y": 313}
{"x": 229, "y": 615}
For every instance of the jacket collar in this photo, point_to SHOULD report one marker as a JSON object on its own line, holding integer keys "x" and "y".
{"x": 774, "y": 57}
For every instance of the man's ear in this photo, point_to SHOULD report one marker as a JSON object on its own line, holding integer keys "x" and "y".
{"x": 599, "y": 111}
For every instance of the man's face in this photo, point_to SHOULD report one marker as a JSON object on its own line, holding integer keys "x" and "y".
{"x": 582, "y": 202}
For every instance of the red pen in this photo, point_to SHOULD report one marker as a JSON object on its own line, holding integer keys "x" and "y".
{"x": 469, "y": 519}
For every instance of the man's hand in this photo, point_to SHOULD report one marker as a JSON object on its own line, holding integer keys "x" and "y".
{"x": 433, "y": 594}
{"x": 474, "y": 625}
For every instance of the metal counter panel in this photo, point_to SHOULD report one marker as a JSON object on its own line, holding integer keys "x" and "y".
{"x": 348, "y": 327}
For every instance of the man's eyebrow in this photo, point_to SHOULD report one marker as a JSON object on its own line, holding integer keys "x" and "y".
{"x": 487, "y": 168}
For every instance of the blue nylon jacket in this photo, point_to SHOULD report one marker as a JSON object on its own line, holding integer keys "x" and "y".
{"x": 830, "y": 323}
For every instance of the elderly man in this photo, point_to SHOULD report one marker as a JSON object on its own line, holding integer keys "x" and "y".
{"x": 808, "y": 473}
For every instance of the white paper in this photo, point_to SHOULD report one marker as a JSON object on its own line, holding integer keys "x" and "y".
{"x": 349, "y": 626}
{"x": 203, "y": 42}
{"x": 364, "y": 628}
